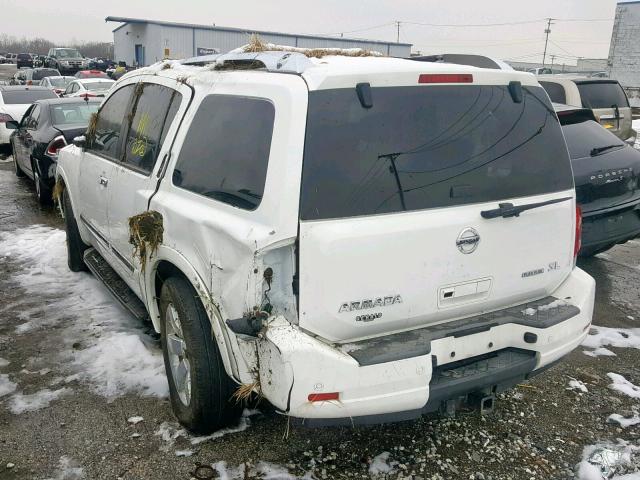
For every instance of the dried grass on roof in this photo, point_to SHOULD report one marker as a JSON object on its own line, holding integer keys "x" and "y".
{"x": 256, "y": 45}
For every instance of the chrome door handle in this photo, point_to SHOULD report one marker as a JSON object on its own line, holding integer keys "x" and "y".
{"x": 104, "y": 181}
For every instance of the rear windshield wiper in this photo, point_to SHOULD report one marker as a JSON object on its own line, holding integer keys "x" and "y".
{"x": 507, "y": 210}
{"x": 598, "y": 150}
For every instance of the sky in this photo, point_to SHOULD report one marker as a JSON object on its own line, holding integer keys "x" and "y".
{"x": 83, "y": 20}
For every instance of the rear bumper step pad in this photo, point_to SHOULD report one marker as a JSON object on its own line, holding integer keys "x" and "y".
{"x": 417, "y": 342}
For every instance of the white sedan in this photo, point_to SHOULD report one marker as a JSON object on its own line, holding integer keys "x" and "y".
{"x": 14, "y": 102}
{"x": 88, "y": 87}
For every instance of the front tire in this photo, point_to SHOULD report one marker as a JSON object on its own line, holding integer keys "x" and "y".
{"x": 199, "y": 386}
{"x": 75, "y": 246}
{"x": 17, "y": 169}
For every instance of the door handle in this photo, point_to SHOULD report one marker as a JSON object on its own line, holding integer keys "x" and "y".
{"x": 104, "y": 181}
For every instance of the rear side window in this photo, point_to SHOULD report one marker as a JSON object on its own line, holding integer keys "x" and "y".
{"x": 555, "y": 91}
{"x": 602, "y": 95}
{"x": 23, "y": 97}
{"x": 153, "y": 116}
{"x": 109, "y": 124}
{"x": 583, "y": 137}
{"x": 226, "y": 151}
{"x": 427, "y": 147}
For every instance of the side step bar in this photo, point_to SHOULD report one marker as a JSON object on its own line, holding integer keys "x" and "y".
{"x": 114, "y": 283}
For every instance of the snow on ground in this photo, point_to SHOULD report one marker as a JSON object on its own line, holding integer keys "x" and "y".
{"x": 624, "y": 421}
{"x": 67, "y": 470}
{"x": 623, "y": 385}
{"x": 577, "y": 385}
{"x": 106, "y": 346}
{"x": 380, "y": 465}
{"x": 599, "y": 337}
{"x": 171, "y": 431}
{"x": 20, "y": 402}
{"x": 3, "y": 362}
{"x": 6, "y": 385}
{"x": 607, "y": 461}
{"x": 135, "y": 420}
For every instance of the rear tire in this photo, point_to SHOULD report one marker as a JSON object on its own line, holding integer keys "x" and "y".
{"x": 75, "y": 246}
{"x": 43, "y": 192}
{"x": 199, "y": 386}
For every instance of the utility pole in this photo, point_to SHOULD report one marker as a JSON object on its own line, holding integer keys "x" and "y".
{"x": 547, "y": 31}
{"x": 398, "y": 31}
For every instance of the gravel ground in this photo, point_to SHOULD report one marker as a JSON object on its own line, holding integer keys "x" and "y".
{"x": 538, "y": 430}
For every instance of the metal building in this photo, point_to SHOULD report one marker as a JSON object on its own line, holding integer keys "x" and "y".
{"x": 144, "y": 42}
{"x": 624, "y": 53}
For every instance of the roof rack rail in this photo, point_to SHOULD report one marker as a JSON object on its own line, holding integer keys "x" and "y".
{"x": 279, "y": 61}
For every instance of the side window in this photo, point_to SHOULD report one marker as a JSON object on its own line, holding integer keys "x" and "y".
{"x": 155, "y": 109}
{"x": 111, "y": 118}
{"x": 226, "y": 151}
{"x": 555, "y": 91}
{"x": 26, "y": 118}
{"x": 75, "y": 87}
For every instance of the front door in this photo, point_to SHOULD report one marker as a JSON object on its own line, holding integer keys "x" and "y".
{"x": 97, "y": 166}
{"x": 139, "y": 55}
{"x": 147, "y": 143}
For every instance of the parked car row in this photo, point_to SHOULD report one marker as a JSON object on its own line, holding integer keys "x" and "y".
{"x": 467, "y": 187}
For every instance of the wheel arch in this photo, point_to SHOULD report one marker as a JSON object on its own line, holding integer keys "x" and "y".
{"x": 168, "y": 262}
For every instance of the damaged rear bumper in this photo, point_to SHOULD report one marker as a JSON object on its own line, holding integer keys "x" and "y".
{"x": 402, "y": 376}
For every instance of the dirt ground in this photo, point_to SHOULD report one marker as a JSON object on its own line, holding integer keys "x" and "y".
{"x": 538, "y": 430}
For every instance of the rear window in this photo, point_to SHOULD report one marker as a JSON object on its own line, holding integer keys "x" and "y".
{"x": 602, "y": 95}
{"x": 25, "y": 96}
{"x": 555, "y": 91}
{"x": 41, "y": 73}
{"x": 24, "y": 56}
{"x": 427, "y": 147}
{"x": 73, "y": 113}
{"x": 98, "y": 85}
{"x": 583, "y": 137}
{"x": 226, "y": 151}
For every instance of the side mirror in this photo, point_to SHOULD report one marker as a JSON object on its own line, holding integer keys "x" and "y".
{"x": 12, "y": 125}
{"x": 80, "y": 141}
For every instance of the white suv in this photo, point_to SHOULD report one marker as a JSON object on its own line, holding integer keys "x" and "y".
{"x": 357, "y": 239}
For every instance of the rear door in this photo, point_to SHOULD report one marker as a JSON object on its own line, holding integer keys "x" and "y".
{"x": 147, "y": 143}
{"x": 609, "y": 104}
{"x": 392, "y": 235}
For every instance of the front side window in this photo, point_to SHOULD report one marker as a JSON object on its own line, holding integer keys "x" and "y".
{"x": 109, "y": 124}
{"x": 32, "y": 123}
{"x": 226, "y": 151}
{"x": 152, "y": 118}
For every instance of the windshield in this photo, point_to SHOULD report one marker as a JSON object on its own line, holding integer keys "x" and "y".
{"x": 582, "y": 138}
{"x": 602, "y": 95}
{"x": 60, "y": 81}
{"x": 73, "y": 113}
{"x": 97, "y": 85}
{"x": 67, "y": 53}
{"x": 21, "y": 97}
{"x": 427, "y": 147}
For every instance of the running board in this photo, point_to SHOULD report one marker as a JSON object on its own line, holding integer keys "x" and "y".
{"x": 115, "y": 284}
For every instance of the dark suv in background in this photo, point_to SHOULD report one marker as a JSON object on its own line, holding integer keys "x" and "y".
{"x": 24, "y": 60}
{"x": 66, "y": 60}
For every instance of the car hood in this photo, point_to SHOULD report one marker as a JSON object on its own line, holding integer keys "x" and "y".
{"x": 609, "y": 180}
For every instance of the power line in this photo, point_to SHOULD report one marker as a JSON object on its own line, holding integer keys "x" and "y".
{"x": 459, "y": 25}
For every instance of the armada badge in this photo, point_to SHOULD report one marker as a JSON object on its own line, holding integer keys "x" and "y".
{"x": 369, "y": 303}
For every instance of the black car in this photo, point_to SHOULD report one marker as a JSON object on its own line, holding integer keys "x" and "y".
{"x": 606, "y": 172}
{"x": 24, "y": 60}
{"x": 45, "y": 128}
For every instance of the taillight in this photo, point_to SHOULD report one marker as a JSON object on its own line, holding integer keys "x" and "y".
{"x": 445, "y": 78}
{"x": 4, "y": 117}
{"x": 88, "y": 95}
{"x": 55, "y": 146}
{"x": 578, "y": 239}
